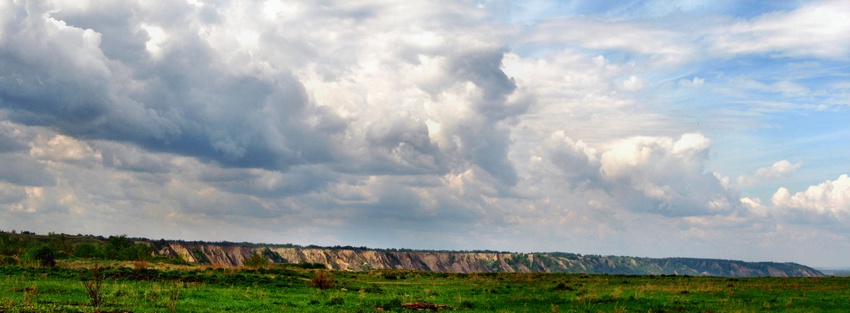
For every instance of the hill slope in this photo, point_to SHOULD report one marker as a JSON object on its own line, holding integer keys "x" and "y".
{"x": 356, "y": 259}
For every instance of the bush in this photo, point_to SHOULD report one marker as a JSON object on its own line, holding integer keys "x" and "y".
{"x": 135, "y": 252}
{"x": 44, "y": 255}
{"x": 322, "y": 280}
{"x": 87, "y": 250}
{"x": 92, "y": 283}
{"x": 256, "y": 260}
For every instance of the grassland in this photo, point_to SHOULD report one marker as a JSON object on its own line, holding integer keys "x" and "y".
{"x": 164, "y": 287}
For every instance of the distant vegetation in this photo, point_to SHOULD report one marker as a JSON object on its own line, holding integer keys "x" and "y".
{"x": 63, "y": 273}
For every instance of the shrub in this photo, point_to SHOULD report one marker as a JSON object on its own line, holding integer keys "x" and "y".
{"x": 322, "y": 280}
{"x": 44, "y": 255}
{"x": 92, "y": 282}
{"x": 173, "y": 294}
{"x": 87, "y": 250}
{"x": 135, "y": 252}
{"x": 256, "y": 260}
{"x": 141, "y": 264}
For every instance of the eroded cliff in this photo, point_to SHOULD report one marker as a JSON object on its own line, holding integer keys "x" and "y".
{"x": 358, "y": 259}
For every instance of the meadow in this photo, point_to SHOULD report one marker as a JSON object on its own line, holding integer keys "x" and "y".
{"x": 157, "y": 286}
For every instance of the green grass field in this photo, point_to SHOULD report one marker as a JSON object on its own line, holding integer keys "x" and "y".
{"x": 162, "y": 287}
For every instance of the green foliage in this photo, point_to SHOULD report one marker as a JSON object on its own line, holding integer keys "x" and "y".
{"x": 10, "y": 245}
{"x": 289, "y": 289}
{"x": 135, "y": 252}
{"x": 200, "y": 257}
{"x": 88, "y": 250}
{"x": 256, "y": 260}
{"x": 43, "y": 255}
{"x": 8, "y": 260}
{"x": 273, "y": 256}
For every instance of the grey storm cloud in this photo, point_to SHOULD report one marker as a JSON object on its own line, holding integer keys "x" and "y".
{"x": 510, "y": 125}
{"x": 184, "y": 102}
{"x": 11, "y": 138}
{"x": 403, "y": 145}
{"x": 24, "y": 171}
{"x": 486, "y": 142}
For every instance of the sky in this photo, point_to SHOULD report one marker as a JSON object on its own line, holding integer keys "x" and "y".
{"x": 713, "y": 129}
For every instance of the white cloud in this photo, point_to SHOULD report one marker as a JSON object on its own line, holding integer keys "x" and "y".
{"x": 633, "y": 83}
{"x": 819, "y": 29}
{"x": 647, "y": 174}
{"x": 663, "y": 176}
{"x": 659, "y": 44}
{"x": 830, "y": 198}
{"x": 381, "y": 123}
{"x": 778, "y": 170}
{"x": 63, "y": 148}
{"x": 694, "y": 82}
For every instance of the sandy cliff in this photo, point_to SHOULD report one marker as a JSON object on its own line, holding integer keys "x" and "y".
{"x": 353, "y": 259}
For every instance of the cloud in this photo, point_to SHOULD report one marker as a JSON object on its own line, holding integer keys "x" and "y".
{"x": 578, "y": 163}
{"x": 648, "y": 174}
{"x": 388, "y": 122}
{"x": 24, "y": 171}
{"x": 169, "y": 103}
{"x": 828, "y": 199}
{"x": 64, "y": 149}
{"x": 663, "y": 176}
{"x": 695, "y": 82}
{"x": 778, "y": 170}
{"x": 817, "y": 29}
{"x": 12, "y": 138}
{"x": 646, "y": 40}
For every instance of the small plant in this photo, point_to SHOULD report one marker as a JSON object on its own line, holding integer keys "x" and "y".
{"x": 466, "y": 304}
{"x": 335, "y": 301}
{"x": 173, "y": 296}
{"x": 93, "y": 282}
{"x": 31, "y": 295}
{"x": 322, "y": 280}
{"x": 391, "y": 305}
{"x": 140, "y": 265}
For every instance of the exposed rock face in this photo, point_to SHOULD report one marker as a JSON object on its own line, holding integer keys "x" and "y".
{"x": 353, "y": 259}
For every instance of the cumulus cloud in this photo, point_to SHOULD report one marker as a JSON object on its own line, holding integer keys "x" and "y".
{"x": 830, "y": 199}
{"x": 778, "y": 170}
{"x": 656, "y": 175}
{"x": 577, "y": 162}
{"x": 660, "y": 175}
{"x": 388, "y": 122}
{"x": 64, "y": 149}
{"x": 186, "y": 101}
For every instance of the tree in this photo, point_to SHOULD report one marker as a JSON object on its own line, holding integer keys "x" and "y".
{"x": 135, "y": 252}
{"x": 87, "y": 250}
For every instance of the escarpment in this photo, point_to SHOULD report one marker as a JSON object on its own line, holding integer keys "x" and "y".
{"x": 359, "y": 259}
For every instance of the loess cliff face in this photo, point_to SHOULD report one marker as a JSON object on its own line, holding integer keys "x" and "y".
{"x": 351, "y": 259}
